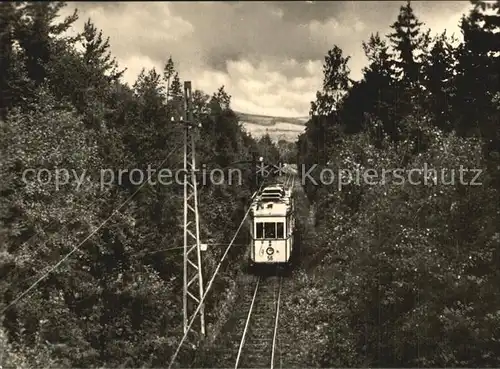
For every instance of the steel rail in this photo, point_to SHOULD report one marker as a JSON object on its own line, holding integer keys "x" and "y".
{"x": 276, "y": 323}
{"x": 246, "y": 325}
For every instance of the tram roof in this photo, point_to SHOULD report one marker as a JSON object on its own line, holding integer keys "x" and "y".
{"x": 273, "y": 201}
{"x": 265, "y": 209}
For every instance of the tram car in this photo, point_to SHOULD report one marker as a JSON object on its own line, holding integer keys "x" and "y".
{"x": 272, "y": 227}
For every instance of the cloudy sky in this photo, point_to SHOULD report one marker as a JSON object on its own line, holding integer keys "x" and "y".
{"x": 268, "y": 55}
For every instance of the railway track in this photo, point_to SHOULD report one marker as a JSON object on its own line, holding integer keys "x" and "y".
{"x": 250, "y": 339}
{"x": 257, "y": 347}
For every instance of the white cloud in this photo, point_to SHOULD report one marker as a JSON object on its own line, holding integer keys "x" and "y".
{"x": 131, "y": 28}
{"x": 268, "y": 59}
{"x": 135, "y": 64}
{"x": 332, "y": 29}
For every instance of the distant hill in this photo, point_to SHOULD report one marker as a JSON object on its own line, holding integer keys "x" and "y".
{"x": 278, "y": 128}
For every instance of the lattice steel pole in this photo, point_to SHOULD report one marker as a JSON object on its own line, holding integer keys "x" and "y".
{"x": 193, "y": 278}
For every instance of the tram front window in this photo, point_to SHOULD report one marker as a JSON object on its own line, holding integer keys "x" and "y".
{"x": 270, "y": 230}
{"x": 260, "y": 230}
{"x": 280, "y": 232}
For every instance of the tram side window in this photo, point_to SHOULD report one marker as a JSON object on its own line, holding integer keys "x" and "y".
{"x": 260, "y": 230}
{"x": 279, "y": 230}
{"x": 270, "y": 230}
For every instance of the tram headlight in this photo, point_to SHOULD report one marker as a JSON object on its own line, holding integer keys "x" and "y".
{"x": 270, "y": 251}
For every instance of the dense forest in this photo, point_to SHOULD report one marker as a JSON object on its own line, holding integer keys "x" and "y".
{"x": 394, "y": 275}
{"x": 407, "y": 274}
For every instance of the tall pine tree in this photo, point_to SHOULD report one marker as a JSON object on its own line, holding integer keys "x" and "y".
{"x": 406, "y": 39}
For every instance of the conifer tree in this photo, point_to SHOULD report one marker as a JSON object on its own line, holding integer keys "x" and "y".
{"x": 406, "y": 40}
